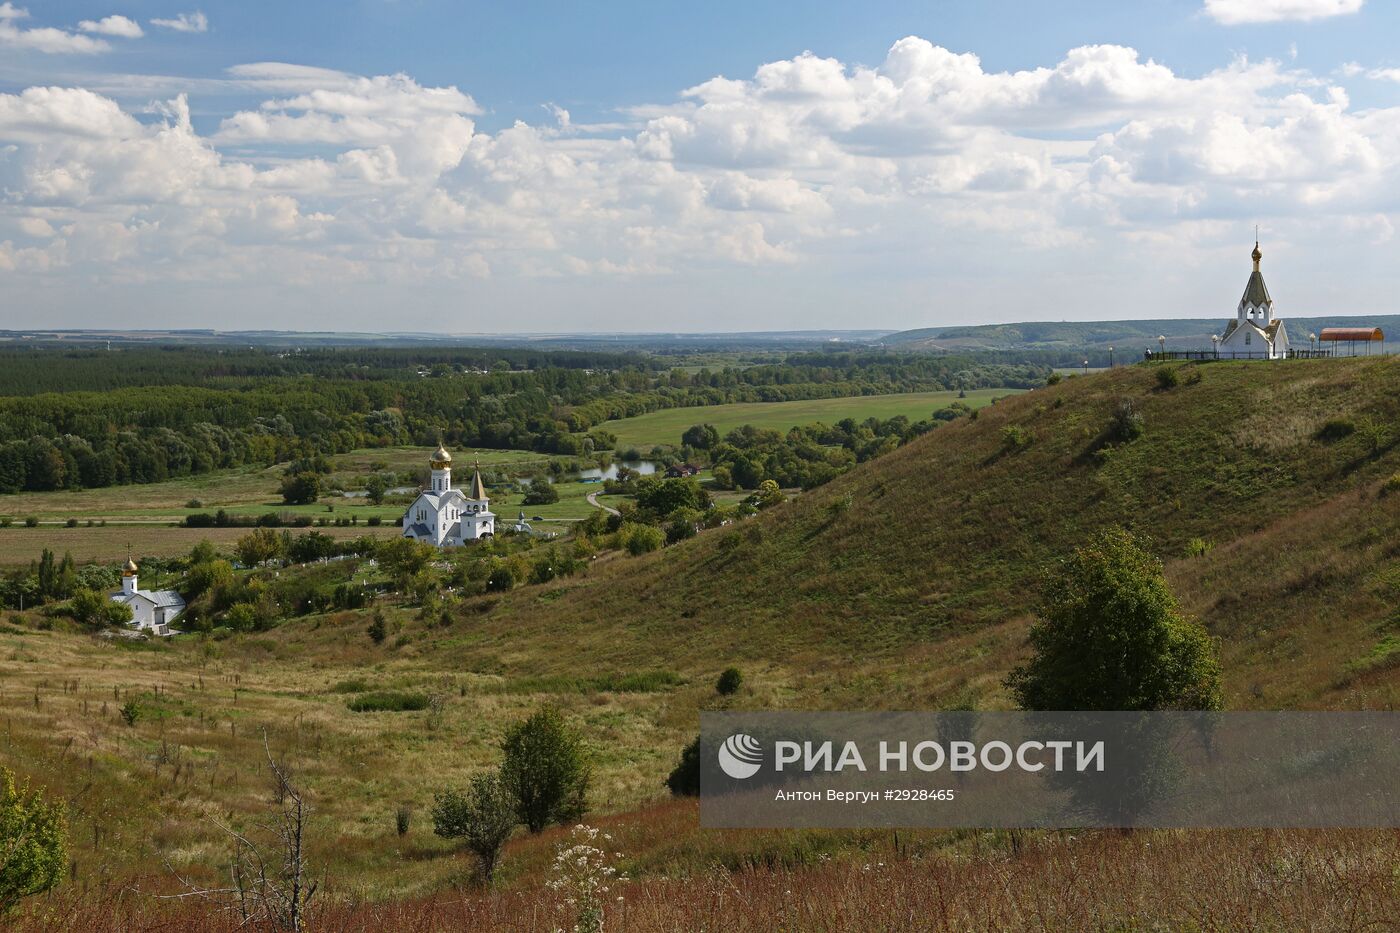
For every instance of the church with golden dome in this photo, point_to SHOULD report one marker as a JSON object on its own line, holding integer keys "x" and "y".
{"x": 445, "y": 516}
{"x": 1255, "y": 333}
{"x": 152, "y": 611}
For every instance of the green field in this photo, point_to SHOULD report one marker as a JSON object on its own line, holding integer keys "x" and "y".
{"x": 666, "y": 427}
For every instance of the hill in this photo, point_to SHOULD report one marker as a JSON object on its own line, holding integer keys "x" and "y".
{"x": 1128, "y": 337}
{"x": 906, "y": 583}
{"x": 913, "y": 574}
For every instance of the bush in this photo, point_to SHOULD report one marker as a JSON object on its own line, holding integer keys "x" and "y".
{"x": 483, "y": 818}
{"x": 545, "y": 770}
{"x": 90, "y": 607}
{"x": 1015, "y": 437}
{"x": 388, "y": 701}
{"x": 402, "y": 817}
{"x": 31, "y": 522}
{"x": 684, "y": 779}
{"x": 1335, "y": 430}
{"x": 1110, "y": 636}
{"x": 501, "y": 579}
{"x": 1198, "y": 547}
{"x": 1392, "y": 485}
{"x": 1126, "y": 424}
{"x": 640, "y": 539}
{"x": 729, "y": 682}
{"x": 378, "y": 629}
{"x": 301, "y": 488}
{"x": 33, "y": 842}
{"x": 541, "y": 492}
{"x": 1053, "y": 379}
{"x": 241, "y": 617}
{"x": 130, "y": 712}
{"x": 1168, "y": 378}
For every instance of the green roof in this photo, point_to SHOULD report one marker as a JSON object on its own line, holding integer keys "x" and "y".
{"x": 1256, "y": 293}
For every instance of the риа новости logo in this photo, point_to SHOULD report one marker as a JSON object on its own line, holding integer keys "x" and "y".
{"x": 740, "y": 756}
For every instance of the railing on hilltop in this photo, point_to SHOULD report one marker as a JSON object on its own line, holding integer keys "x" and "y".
{"x": 1163, "y": 355}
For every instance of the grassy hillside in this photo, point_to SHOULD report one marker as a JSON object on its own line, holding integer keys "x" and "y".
{"x": 924, "y": 580}
{"x": 667, "y": 425}
{"x": 903, "y": 584}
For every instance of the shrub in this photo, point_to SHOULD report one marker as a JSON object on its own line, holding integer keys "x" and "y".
{"x": 388, "y": 701}
{"x": 241, "y": 617}
{"x": 1391, "y": 485}
{"x": 1015, "y": 437}
{"x": 729, "y": 682}
{"x": 130, "y": 712}
{"x": 33, "y": 843}
{"x": 1168, "y": 378}
{"x": 1110, "y": 636}
{"x": 1126, "y": 424}
{"x": 301, "y": 488}
{"x": 501, "y": 579}
{"x": 378, "y": 629}
{"x": 1198, "y": 547}
{"x": 1053, "y": 379}
{"x": 684, "y": 779}
{"x": 31, "y": 522}
{"x": 483, "y": 818}
{"x": 194, "y": 504}
{"x": 541, "y": 492}
{"x": 545, "y": 770}
{"x": 71, "y": 523}
{"x": 402, "y": 816}
{"x": 640, "y": 539}
{"x": 90, "y": 607}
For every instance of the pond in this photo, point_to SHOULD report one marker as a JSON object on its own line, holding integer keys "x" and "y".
{"x": 644, "y": 467}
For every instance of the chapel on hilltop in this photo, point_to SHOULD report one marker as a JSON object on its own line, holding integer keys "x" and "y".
{"x": 1255, "y": 332}
{"x": 443, "y": 515}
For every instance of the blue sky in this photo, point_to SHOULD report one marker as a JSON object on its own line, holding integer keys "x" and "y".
{"x": 424, "y": 165}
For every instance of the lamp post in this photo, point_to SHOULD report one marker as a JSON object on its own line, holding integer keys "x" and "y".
{"x": 1215, "y": 344}
{"x": 1086, "y": 367}
{"x": 1312, "y": 344}
{"x": 1162, "y": 343}
{"x": 1110, "y": 357}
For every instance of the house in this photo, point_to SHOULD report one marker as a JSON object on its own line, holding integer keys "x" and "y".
{"x": 444, "y": 516}
{"x": 682, "y": 469}
{"x": 1254, "y": 333}
{"x": 152, "y": 611}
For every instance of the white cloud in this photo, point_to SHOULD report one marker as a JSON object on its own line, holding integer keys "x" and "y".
{"x": 44, "y": 39}
{"x": 1236, "y": 12}
{"x": 113, "y": 25}
{"x": 185, "y": 22}
{"x": 926, "y": 162}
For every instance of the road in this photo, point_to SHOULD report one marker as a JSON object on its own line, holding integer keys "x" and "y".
{"x": 593, "y": 501}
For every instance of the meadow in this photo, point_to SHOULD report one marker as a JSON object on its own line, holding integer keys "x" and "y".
{"x": 666, "y": 426}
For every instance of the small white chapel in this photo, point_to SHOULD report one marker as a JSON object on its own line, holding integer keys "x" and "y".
{"x": 1255, "y": 332}
{"x": 152, "y": 611}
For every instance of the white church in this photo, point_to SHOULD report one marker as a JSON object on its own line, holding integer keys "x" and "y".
{"x": 1254, "y": 332}
{"x": 444, "y": 516}
{"x": 152, "y": 611}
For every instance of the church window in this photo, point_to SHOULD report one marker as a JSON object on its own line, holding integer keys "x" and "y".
{"x": 1247, "y": 340}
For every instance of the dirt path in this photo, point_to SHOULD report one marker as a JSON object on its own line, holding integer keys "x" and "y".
{"x": 593, "y": 501}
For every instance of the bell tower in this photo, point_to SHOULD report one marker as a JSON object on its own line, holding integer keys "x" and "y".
{"x": 441, "y": 462}
{"x": 129, "y": 574}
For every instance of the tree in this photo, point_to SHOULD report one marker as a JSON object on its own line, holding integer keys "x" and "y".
{"x": 684, "y": 779}
{"x": 93, "y": 608}
{"x": 301, "y": 488}
{"x": 33, "y": 843}
{"x": 545, "y": 770}
{"x": 768, "y": 495}
{"x": 700, "y": 436}
{"x": 260, "y": 544}
{"x": 483, "y": 818}
{"x": 375, "y": 488}
{"x": 1109, "y": 635}
{"x": 640, "y": 539}
{"x": 541, "y": 492}
{"x": 378, "y": 629}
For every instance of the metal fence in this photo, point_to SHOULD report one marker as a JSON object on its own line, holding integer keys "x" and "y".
{"x": 1161, "y": 355}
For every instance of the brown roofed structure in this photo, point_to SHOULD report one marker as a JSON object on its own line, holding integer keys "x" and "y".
{"x": 1351, "y": 333}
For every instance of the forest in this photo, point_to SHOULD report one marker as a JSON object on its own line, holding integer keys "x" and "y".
{"x": 151, "y": 414}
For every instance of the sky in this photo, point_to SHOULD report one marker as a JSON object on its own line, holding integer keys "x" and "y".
{"x": 462, "y": 167}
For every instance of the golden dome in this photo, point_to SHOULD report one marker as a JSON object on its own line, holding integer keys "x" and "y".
{"x": 129, "y": 568}
{"x": 441, "y": 459}
{"x": 1256, "y": 255}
